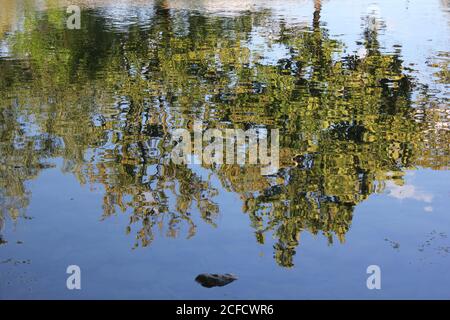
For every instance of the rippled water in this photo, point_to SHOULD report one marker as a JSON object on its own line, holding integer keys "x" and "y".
{"x": 358, "y": 90}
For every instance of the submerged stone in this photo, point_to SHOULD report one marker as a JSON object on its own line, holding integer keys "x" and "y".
{"x": 209, "y": 280}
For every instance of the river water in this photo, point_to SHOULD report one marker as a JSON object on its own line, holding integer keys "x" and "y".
{"x": 358, "y": 91}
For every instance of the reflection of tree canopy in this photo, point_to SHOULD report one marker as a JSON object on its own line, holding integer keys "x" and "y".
{"x": 106, "y": 101}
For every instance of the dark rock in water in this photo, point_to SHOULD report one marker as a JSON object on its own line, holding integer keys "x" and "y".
{"x": 209, "y": 280}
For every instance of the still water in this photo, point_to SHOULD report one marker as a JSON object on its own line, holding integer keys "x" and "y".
{"x": 358, "y": 90}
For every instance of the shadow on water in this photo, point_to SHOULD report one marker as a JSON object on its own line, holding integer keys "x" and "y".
{"x": 107, "y": 98}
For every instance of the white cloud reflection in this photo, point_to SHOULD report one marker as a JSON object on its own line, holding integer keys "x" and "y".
{"x": 407, "y": 192}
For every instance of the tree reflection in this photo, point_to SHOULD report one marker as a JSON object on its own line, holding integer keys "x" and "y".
{"x": 106, "y": 100}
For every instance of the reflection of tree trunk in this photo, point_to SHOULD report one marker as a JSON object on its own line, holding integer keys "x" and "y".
{"x": 162, "y": 13}
{"x": 7, "y": 16}
{"x": 316, "y": 16}
{"x": 161, "y": 6}
{"x": 318, "y": 37}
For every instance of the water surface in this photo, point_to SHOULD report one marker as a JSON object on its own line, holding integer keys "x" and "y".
{"x": 357, "y": 89}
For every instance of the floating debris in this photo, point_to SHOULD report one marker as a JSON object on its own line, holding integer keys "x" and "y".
{"x": 15, "y": 262}
{"x": 432, "y": 238}
{"x": 393, "y": 244}
{"x": 208, "y": 280}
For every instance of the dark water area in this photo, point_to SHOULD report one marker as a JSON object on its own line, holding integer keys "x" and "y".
{"x": 358, "y": 90}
